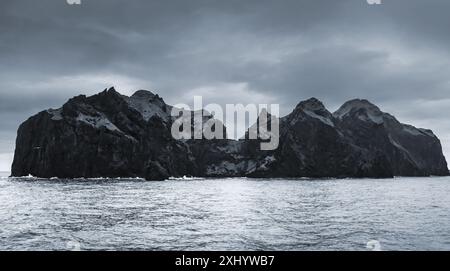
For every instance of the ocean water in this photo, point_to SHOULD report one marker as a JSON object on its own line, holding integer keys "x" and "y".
{"x": 225, "y": 214}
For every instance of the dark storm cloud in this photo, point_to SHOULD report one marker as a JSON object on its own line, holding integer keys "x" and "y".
{"x": 395, "y": 54}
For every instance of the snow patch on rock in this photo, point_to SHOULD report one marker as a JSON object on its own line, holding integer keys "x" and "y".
{"x": 323, "y": 119}
{"x": 366, "y": 111}
{"x": 97, "y": 121}
{"x": 56, "y": 114}
{"x": 149, "y": 105}
{"x": 416, "y": 131}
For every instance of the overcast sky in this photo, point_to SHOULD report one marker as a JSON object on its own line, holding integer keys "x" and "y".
{"x": 234, "y": 51}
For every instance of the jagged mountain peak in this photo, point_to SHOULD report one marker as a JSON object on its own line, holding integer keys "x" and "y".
{"x": 144, "y": 94}
{"x": 362, "y": 109}
{"x": 111, "y": 89}
{"x": 107, "y": 92}
{"x": 149, "y": 104}
{"x": 110, "y": 94}
{"x": 354, "y": 105}
{"x": 312, "y": 104}
{"x": 311, "y": 108}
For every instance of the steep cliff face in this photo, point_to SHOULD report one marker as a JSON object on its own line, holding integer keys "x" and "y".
{"x": 313, "y": 145}
{"x": 410, "y": 151}
{"x": 112, "y": 135}
{"x": 102, "y": 136}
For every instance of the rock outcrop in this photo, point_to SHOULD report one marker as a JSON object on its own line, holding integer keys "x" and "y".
{"x": 409, "y": 151}
{"x": 105, "y": 135}
{"x": 313, "y": 144}
{"x": 112, "y": 135}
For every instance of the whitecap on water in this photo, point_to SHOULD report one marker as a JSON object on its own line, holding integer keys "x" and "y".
{"x": 185, "y": 178}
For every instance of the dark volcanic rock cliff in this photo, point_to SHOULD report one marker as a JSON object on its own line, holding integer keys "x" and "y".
{"x": 410, "y": 151}
{"x": 111, "y": 135}
{"x": 102, "y": 136}
{"x": 313, "y": 145}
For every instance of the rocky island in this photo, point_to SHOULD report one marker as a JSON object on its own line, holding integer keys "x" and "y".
{"x": 112, "y": 135}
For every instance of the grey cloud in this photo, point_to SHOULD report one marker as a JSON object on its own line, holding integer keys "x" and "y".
{"x": 395, "y": 54}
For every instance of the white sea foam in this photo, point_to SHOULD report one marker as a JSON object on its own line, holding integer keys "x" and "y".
{"x": 184, "y": 178}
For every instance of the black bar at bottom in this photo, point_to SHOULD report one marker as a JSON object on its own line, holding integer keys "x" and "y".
{"x": 237, "y": 261}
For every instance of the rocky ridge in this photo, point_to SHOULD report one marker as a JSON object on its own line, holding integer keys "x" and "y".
{"x": 113, "y": 135}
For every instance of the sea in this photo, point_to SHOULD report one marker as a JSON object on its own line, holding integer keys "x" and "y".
{"x": 225, "y": 214}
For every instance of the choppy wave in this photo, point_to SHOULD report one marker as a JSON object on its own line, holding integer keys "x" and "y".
{"x": 225, "y": 214}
